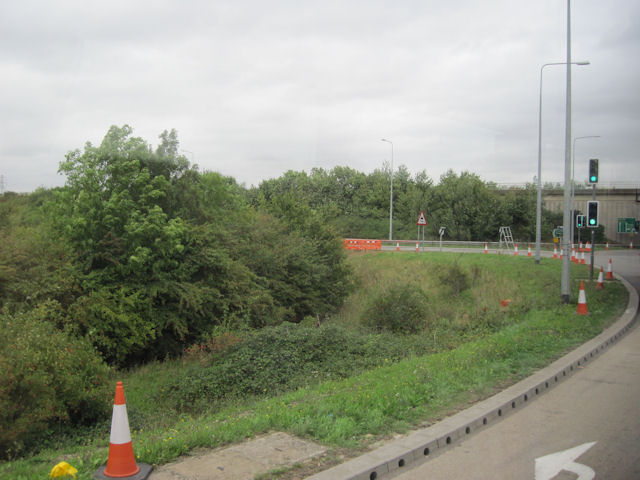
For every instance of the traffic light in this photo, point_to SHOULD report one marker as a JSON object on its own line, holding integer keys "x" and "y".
{"x": 580, "y": 221}
{"x": 593, "y": 170}
{"x": 593, "y": 219}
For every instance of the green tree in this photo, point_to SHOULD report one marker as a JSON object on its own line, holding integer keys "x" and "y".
{"x": 466, "y": 206}
{"x": 147, "y": 274}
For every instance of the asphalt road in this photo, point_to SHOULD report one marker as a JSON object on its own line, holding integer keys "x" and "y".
{"x": 586, "y": 427}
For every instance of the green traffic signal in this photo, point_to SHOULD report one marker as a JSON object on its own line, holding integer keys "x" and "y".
{"x": 593, "y": 218}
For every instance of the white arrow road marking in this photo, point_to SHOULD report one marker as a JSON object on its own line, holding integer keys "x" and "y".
{"x": 549, "y": 466}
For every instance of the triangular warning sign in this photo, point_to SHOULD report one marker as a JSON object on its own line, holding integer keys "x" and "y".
{"x": 421, "y": 219}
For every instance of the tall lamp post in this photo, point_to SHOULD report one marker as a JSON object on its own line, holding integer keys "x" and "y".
{"x": 391, "y": 194}
{"x": 539, "y": 199}
{"x": 565, "y": 277}
{"x": 573, "y": 171}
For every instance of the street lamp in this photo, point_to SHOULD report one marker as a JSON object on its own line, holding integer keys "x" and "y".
{"x": 539, "y": 199}
{"x": 391, "y": 194}
{"x": 573, "y": 171}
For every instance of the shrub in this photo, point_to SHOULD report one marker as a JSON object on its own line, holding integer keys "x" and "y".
{"x": 454, "y": 277}
{"x": 48, "y": 378}
{"x": 277, "y": 359}
{"x": 402, "y": 308}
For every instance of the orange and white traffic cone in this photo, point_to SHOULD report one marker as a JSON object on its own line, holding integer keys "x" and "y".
{"x": 486, "y": 248}
{"x": 582, "y": 261}
{"x": 581, "y": 247}
{"x": 582, "y": 301}
{"x": 609, "y": 275}
{"x": 600, "y": 282}
{"x": 573, "y": 253}
{"x": 417, "y": 246}
{"x": 397, "y": 246}
{"x": 529, "y": 251}
{"x": 555, "y": 252}
{"x": 515, "y": 253}
{"x": 121, "y": 462}
{"x": 607, "y": 246}
{"x": 588, "y": 247}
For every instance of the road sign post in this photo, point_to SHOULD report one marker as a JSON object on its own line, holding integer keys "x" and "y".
{"x": 422, "y": 222}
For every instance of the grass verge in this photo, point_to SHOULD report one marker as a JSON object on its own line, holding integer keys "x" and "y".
{"x": 350, "y": 413}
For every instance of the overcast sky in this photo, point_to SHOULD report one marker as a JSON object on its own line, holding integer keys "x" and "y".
{"x": 256, "y": 88}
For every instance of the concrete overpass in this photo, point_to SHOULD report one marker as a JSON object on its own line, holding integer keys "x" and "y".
{"x": 614, "y": 203}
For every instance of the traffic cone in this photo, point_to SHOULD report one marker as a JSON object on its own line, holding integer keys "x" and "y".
{"x": 588, "y": 247}
{"x": 515, "y": 253}
{"x": 581, "y": 247}
{"x": 529, "y": 251}
{"x": 397, "y": 246}
{"x": 573, "y": 253}
{"x": 121, "y": 462}
{"x": 582, "y": 301}
{"x": 582, "y": 262}
{"x": 417, "y": 246}
{"x": 609, "y": 275}
{"x": 607, "y": 246}
{"x": 486, "y": 248}
{"x": 600, "y": 282}
{"x": 555, "y": 252}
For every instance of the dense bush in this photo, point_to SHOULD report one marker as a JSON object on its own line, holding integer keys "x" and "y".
{"x": 275, "y": 359}
{"x": 164, "y": 254}
{"x": 455, "y": 278}
{"x": 48, "y": 378}
{"x": 401, "y": 308}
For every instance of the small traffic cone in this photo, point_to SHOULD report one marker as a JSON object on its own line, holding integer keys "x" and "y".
{"x": 573, "y": 253}
{"x": 582, "y": 301}
{"x": 397, "y": 246}
{"x": 121, "y": 462}
{"x": 417, "y": 246}
{"x": 609, "y": 275}
{"x": 529, "y": 251}
{"x": 582, "y": 262}
{"x": 555, "y": 252}
{"x": 588, "y": 247}
{"x": 607, "y": 246}
{"x": 515, "y": 253}
{"x": 486, "y": 248}
{"x": 600, "y": 282}
{"x": 581, "y": 247}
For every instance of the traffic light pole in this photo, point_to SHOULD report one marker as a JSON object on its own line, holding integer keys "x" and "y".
{"x": 593, "y": 243}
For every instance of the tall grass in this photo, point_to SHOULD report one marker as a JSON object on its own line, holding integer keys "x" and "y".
{"x": 471, "y": 345}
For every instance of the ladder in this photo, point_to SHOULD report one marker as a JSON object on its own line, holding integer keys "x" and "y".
{"x": 506, "y": 238}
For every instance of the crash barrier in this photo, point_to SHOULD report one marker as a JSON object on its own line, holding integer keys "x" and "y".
{"x": 362, "y": 244}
